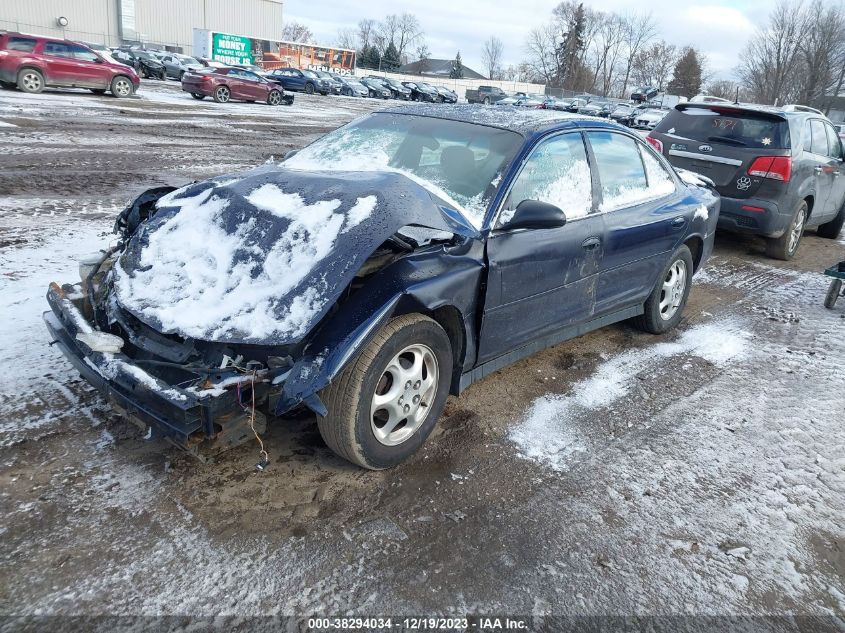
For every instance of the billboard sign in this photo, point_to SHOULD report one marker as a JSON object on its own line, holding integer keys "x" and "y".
{"x": 231, "y": 49}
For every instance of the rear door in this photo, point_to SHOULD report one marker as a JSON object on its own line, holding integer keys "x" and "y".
{"x": 542, "y": 280}
{"x": 59, "y": 64}
{"x": 723, "y": 143}
{"x": 824, "y": 167}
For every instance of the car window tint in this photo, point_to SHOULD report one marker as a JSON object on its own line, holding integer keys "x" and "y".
{"x": 57, "y": 49}
{"x": 834, "y": 148}
{"x": 23, "y": 44}
{"x": 557, "y": 172}
{"x": 819, "y": 142}
{"x": 620, "y": 169}
{"x": 660, "y": 182}
{"x": 808, "y": 137}
{"x": 82, "y": 53}
{"x": 245, "y": 74}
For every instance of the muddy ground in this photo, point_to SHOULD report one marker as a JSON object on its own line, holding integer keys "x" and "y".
{"x": 620, "y": 473}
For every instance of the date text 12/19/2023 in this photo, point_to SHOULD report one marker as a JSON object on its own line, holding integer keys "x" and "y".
{"x": 421, "y": 623}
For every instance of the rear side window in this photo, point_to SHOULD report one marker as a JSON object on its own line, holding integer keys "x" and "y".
{"x": 731, "y": 127}
{"x": 819, "y": 143}
{"x": 57, "y": 49}
{"x": 834, "y": 145}
{"x": 23, "y": 44}
{"x": 621, "y": 170}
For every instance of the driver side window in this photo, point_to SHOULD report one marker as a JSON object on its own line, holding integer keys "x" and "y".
{"x": 557, "y": 172}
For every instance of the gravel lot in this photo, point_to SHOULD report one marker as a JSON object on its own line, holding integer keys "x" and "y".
{"x": 619, "y": 473}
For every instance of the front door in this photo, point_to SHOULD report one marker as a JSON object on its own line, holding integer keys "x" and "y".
{"x": 642, "y": 224}
{"x": 837, "y": 172}
{"x": 90, "y": 70}
{"x": 542, "y": 280}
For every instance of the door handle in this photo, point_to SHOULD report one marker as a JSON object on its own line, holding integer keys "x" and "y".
{"x": 590, "y": 243}
{"x": 679, "y": 222}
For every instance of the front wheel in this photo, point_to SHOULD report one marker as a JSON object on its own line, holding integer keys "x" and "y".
{"x": 309, "y": 89}
{"x": 785, "y": 246}
{"x": 833, "y": 293}
{"x": 831, "y": 230}
{"x": 384, "y": 405}
{"x": 222, "y": 94}
{"x": 274, "y": 98}
{"x": 665, "y": 305}
{"x": 121, "y": 87}
{"x": 486, "y": 100}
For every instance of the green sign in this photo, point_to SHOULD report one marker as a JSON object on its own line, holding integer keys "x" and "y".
{"x": 231, "y": 49}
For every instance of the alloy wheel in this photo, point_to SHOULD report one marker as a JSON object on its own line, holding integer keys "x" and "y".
{"x": 404, "y": 395}
{"x": 797, "y": 230}
{"x": 672, "y": 293}
{"x": 32, "y": 82}
{"x": 122, "y": 87}
{"x": 275, "y": 98}
{"x": 222, "y": 94}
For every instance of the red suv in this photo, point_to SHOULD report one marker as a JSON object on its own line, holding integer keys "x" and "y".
{"x": 225, "y": 84}
{"x": 32, "y": 63}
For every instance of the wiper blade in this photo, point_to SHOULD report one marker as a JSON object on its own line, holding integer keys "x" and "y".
{"x": 727, "y": 139}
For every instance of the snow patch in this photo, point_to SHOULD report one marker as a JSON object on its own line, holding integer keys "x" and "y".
{"x": 702, "y": 212}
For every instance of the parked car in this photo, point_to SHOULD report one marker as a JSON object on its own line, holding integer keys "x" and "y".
{"x": 648, "y": 118}
{"x": 621, "y": 112}
{"x": 142, "y": 61}
{"x": 644, "y": 94}
{"x": 336, "y": 84}
{"x": 593, "y": 108}
{"x": 485, "y": 94}
{"x": 397, "y": 89}
{"x": 298, "y": 80}
{"x": 33, "y": 63}
{"x": 367, "y": 293}
{"x": 446, "y": 94}
{"x": 227, "y": 84}
{"x": 421, "y": 91}
{"x": 353, "y": 88}
{"x": 575, "y": 105}
{"x": 376, "y": 89}
{"x": 708, "y": 99}
{"x": 176, "y": 65}
{"x": 779, "y": 170}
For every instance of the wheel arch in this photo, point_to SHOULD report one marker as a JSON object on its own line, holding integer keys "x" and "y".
{"x": 696, "y": 246}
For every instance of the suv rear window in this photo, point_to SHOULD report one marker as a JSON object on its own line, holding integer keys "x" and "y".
{"x": 24, "y": 44}
{"x": 731, "y": 127}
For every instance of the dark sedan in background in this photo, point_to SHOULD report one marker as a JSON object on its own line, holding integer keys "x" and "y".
{"x": 469, "y": 239}
{"x": 306, "y": 81}
{"x": 421, "y": 91}
{"x": 376, "y": 89}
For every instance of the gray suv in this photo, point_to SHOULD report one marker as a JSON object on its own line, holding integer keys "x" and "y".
{"x": 778, "y": 170}
{"x": 176, "y": 65}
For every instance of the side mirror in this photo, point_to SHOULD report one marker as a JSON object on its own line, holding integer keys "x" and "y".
{"x": 534, "y": 214}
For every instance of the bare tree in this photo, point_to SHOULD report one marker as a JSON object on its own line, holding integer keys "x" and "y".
{"x": 541, "y": 47}
{"x": 347, "y": 38}
{"x": 366, "y": 31}
{"x": 297, "y": 32}
{"x": 725, "y": 89}
{"x": 653, "y": 65}
{"x": 423, "y": 55}
{"x": 768, "y": 65}
{"x": 820, "y": 50}
{"x": 403, "y": 30}
{"x": 491, "y": 55}
{"x": 639, "y": 30}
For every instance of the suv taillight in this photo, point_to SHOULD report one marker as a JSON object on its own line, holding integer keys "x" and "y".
{"x": 656, "y": 143}
{"x": 772, "y": 167}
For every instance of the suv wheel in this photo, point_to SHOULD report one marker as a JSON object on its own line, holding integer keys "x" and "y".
{"x": 121, "y": 86}
{"x": 830, "y": 230}
{"x": 384, "y": 405}
{"x": 785, "y": 246}
{"x": 665, "y": 305}
{"x": 31, "y": 80}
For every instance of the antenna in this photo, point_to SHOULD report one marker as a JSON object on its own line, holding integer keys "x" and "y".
{"x": 736, "y": 99}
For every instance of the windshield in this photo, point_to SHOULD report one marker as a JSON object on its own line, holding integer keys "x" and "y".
{"x": 456, "y": 161}
{"x": 733, "y": 127}
{"x": 309, "y": 73}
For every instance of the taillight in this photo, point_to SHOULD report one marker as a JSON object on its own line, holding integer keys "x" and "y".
{"x": 656, "y": 143}
{"x": 206, "y": 78}
{"x": 772, "y": 167}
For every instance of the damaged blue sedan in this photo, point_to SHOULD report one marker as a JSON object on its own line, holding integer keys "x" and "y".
{"x": 388, "y": 264}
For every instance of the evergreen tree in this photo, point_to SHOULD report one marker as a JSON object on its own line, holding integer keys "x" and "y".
{"x": 363, "y": 57}
{"x": 457, "y": 67}
{"x": 569, "y": 51}
{"x": 390, "y": 60}
{"x": 686, "y": 80}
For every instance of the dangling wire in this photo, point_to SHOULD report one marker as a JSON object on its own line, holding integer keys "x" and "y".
{"x": 265, "y": 458}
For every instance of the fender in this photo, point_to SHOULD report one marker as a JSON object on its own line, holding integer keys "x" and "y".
{"x": 448, "y": 276}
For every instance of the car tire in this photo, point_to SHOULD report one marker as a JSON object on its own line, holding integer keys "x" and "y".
{"x": 665, "y": 305}
{"x": 785, "y": 246}
{"x": 274, "y": 98}
{"x": 121, "y": 86}
{"x": 309, "y": 89}
{"x": 222, "y": 94}
{"x": 830, "y": 230}
{"x": 30, "y": 80}
{"x": 181, "y": 75}
{"x": 355, "y": 428}
{"x": 197, "y": 96}
{"x": 833, "y": 293}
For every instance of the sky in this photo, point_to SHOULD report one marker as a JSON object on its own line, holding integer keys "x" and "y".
{"x": 718, "y": 28}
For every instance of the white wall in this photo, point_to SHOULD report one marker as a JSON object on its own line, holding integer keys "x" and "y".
{"x": 88, "y": 20}
{"x": 459, "y": 85}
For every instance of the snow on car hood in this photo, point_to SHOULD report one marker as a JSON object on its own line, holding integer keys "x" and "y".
{"x": 260, "y": 258}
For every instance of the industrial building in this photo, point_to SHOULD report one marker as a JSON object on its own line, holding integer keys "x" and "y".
{"x": 167, "y": 24}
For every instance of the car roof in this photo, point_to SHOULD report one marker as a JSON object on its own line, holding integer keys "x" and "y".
{"x": 782, "y": 112}
{"x": 524, "y": 121}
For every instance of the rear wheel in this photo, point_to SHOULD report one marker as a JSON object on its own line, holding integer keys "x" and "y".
{"x": 785, "y": 246}
{"x": 31, "y": 80}
{"x": 121, "y": 86}
{"x": 385, "y": 404}
{"x": 181, "y": 74}
{"x": 833, "y": 293}
{"x": 222, "y": 94}
{"x": 309, "y": 89}
{"x": 665, "y": 305}
{"x": 831, "y": 230}
{"x": 197, "y": 96}
{"x": 274, "y": 98}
